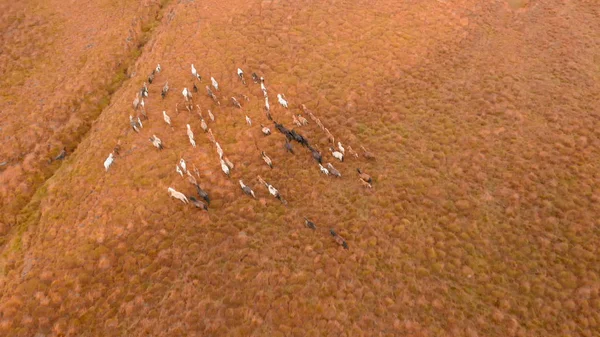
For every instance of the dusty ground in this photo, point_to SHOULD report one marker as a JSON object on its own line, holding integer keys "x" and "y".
{"x": 483, "y": 216}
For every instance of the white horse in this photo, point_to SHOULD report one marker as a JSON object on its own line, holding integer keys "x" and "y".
{"x": 177, "y": 195}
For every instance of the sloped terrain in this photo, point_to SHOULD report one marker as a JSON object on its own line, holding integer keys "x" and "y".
{"x": 61, "y": 62}
{"x": 482, "y": 220}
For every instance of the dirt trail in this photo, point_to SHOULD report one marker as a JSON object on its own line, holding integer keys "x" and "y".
{"x": 482, "y": 219}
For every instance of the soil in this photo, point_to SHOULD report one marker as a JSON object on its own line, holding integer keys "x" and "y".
{"x": 482, "y": 219}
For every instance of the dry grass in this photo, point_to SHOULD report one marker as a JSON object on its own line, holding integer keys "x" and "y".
{"x": 74, "y": 125}
{"x": 482, "y": 219}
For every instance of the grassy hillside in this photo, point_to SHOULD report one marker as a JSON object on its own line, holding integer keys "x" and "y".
{"x": 481, "y": 220}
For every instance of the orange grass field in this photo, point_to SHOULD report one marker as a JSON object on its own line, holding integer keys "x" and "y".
{"x": 483, "y": 117}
